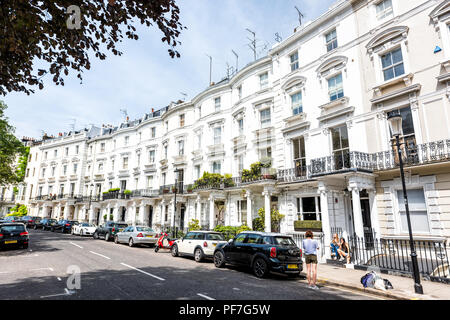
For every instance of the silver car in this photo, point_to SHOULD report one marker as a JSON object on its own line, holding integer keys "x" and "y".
{"x": 136, "y": 235}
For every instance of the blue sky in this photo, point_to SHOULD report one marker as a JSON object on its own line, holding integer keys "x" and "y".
{"x": 145, "y": 76}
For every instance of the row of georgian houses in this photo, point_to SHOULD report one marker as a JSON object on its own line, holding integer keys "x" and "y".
{"x": 313, "y": 111}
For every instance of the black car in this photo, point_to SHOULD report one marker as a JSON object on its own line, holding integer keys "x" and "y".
{"x": 263, "y": 252}
{"x": 30, "y": 221}
{"x": 63, "y": 226}
{"x": 11, "y": 219}
{"x": 46, "y": 224}
{"x": 13, "y": 234}
{"x": 109, "y": 230}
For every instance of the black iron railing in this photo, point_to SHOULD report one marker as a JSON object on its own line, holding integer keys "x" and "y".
{"x": 145, "y": 193}
{"x": 394, "y": 255}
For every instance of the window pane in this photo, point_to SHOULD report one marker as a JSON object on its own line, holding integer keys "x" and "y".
{"x": 386, "y": 60}
{"x": 416, "y": 199}
{"x": 296, "y": 148}
{"x": 309, "y": 204}
{"x": 388, "y": 74}
{"x": 419, "y": 222}
{"x": 397, "y": 56}
{"x": 336, "y": 138}
{"x": 344, "y": 137}
{"x": 407, "y": 123}
{"x": 399, "y": 70}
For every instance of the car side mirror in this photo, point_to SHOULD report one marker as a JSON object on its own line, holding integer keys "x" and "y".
{"x": 231, "y": 241}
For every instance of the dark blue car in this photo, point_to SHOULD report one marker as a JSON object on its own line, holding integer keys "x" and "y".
{"x": 261, "y": 251}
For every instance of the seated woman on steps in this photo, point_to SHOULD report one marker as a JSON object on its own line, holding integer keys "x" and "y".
{"x": 344, "y": 251}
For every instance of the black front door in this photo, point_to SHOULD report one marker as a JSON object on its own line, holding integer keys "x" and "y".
{"x": 124, "y": 210}
{"x": 367, "y": 222}
{"x": 98, "y": 216}
{"x": 183, "y": 209}
{"x": 150, "y": 216}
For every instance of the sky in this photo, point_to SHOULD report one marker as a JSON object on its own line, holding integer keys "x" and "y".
{"x": 146, "y": 77}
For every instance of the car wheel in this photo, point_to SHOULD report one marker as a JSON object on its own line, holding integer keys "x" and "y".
{"x": 116, "y": 240}
{"x": 52, "y": 230}
{"x": 174, "y": 251}
{"x": 131, "y": 242}
{"x": 81, "y": 233}
{"x": 95, "y": 235}
{"x": 198, "y": 255}
{"x": 260, "y": 268}
{"x": 35, "y": 228}
{"x": 25, "y": 246}
{"x": 219, "y": 259}
{"x": 107, "y": 237}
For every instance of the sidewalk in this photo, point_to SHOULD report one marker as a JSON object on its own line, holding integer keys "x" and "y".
{"x": 403, "y": 286}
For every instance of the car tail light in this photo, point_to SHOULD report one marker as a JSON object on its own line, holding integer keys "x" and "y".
{"x": 113, "y": 229}
{"x": 67, "y": 225}
{"x": 30, "y": 220}
{"x": 205, "y": 244}
{"x": 1, "y": 235}
{"x": 300, "y": 253}
{"x": 24, "y": 234}
{"x": 273, "y": 252}
{"x": 140, "y": 235}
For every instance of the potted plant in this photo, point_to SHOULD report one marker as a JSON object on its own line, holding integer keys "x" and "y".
{"x": 189, "y": 189}
{"x": 127, "y": 194}
{"x": 165, "y": 190}
{"x": 174, "y": 189}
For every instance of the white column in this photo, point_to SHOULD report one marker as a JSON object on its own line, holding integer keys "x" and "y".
{"x": 198, "y": 214}
{"x": 211, "y": 213}
{"x": 228, "y": 213}
{"x": 66, "y": 212}
{"x": 172, "y": 213}
{"x": 142, "y": 213}
{"x": 267, "y": 214}
{"x": 322, "y": 190}
{"x": 108, "y": 212}
{"x": 374, "y": 212}
{"x": 91, "y": 213}
{"x": 248, "y": 194}
{"x": 116, "y": 213}
{"x": 357, "y": 215}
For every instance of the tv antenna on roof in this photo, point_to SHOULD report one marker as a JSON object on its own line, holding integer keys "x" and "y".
{"x": 278, "y": 38}
{"x": 300, "y": 15}
{"x": 184, "y": 95}
{"x": 124, "y": 112}
{"x": 252, "y": 43}
{"x": 210, "y": 68}
{"x": 237, "y": 60}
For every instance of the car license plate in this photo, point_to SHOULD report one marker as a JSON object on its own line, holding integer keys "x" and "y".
{"x": 149, "y": 236}
{"x": 120, "y": 230}
{"x": 9, "y": 242}
{"x": 214, "y": 244}
{"x": 292, "y": 266}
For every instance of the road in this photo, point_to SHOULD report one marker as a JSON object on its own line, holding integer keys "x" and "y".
{"x": 117, "y": 272}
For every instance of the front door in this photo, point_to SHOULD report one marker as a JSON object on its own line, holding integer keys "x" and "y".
{"x": 183, "y": 209}
{"x": 150, "y": 216}
{"x": 98, "y": 216}
{"x": 122, "y": 217}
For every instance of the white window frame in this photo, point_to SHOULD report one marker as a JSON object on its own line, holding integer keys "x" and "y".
{"x": 269, "y": 121}
{"x": 329, "y": 42}
{"x": 335, "y": 89}
{"x": 152, "y": 156}
{"x": 220, "y": 166}
{"x": 300, "y": 214}
{"x": 180, "y": 144}
{"x": 217, "y": 139}
{"x": 263, "y": 84}
{"x": 378, "y": 66}
{"x": 299, "y": 106}
{"x": 217, "y": 104}
{"x": 392, "y": 65}
{"x": 385, "y": 14}
{"x": 294, "y": 64}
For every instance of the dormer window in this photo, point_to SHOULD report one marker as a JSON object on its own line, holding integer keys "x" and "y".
{"x": 384, "y": 9}
{"x": 331, "y": 40}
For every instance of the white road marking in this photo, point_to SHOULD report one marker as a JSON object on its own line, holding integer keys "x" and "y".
{"x": 59, "y": 279}
{"x": 98, "y": 254}
{"x": 206, "y": 297}
{"x": 237, "y": 289}
{"x": 66, "y": 293}
{"x": 76, "y": 245}
{"x": 42, "y": 269}
{"x": 149, "y": 274}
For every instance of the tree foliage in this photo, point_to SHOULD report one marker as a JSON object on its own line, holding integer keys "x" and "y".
{"x": 275, "y": 215}
{"x": 194, "y": 225}
{"x": 19, "y": 210}
{"x": 10, "y": 148}
{"x": 37, "y": 30}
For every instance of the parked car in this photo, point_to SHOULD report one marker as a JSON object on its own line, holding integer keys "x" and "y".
{"x": 137, "y": 235}
{"x": 48, "y": 223}
{"x": 13, "y": 234}
{"x": 30, "y": 221}
{"x": 11, "y": 219}
{"x": 198, "y": 244}
{"x": 263, "y": 252}
{"x": 109, "y": 230}
{"x": 83, "y": 229}
{"x": 63, "y": 226}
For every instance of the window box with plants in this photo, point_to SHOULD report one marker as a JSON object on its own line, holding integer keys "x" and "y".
{"x": 127, "y": 194}
{"x": 165, "y": 190}
{"x": 305, "y": 225}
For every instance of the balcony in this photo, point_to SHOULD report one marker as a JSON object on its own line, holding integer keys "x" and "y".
{"x": 216, "y": 150}
{"x": 179, "y": 160}
{"x": 413, "y": 155}
{"x": 171, "y": 189}
{"x": 116, "y": 196}
{"x": 145, "y": 193}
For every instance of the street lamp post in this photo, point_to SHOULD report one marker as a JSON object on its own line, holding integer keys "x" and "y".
{"x": 175, "y": 202}
{"x": 395, "y": 123}
{"x": 90, "y": 200}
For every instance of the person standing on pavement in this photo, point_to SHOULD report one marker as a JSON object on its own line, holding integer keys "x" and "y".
{"x": 310, "y": 248}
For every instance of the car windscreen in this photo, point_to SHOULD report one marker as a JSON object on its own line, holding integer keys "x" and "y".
{"x": 86, "y": 225}
{"x": 144, "y": 229}
{"x": 13, "y": 228}
{"x": 214, "y": 236}
{"x": 284, "y": 241}
{"x": 121, "y": 225}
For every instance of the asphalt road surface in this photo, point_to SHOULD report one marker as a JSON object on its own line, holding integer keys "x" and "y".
{"x": 117, "y": 272}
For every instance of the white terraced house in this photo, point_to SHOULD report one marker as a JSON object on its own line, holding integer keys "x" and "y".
{"x": 313, "y": 112}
